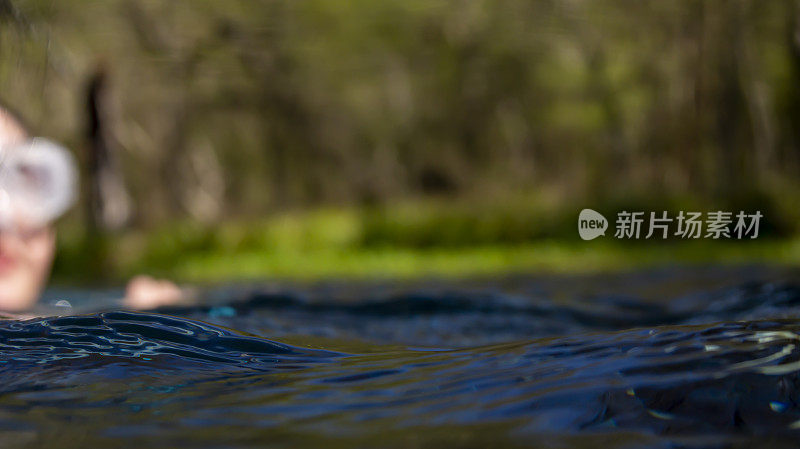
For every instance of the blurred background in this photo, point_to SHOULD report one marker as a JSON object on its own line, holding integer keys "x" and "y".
{"x": 403, "y": 138}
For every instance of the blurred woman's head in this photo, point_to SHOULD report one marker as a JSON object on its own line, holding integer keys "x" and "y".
{"x": 26, "y": 249}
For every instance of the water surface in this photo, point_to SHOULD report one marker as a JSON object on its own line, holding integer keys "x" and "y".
{"x": 701, "y": 357}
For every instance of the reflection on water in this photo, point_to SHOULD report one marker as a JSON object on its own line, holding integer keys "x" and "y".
{"x": 432, "y": 364}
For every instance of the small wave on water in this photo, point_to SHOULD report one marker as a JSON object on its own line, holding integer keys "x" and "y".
{"x": 432, "y": 366}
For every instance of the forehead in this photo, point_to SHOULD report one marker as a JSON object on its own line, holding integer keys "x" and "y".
{"x": 11, "y": 130}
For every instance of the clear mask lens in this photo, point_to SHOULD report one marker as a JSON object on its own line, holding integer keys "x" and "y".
{"x": 38, "y": 182}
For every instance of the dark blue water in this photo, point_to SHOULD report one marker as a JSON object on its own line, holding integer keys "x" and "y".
{"x": 670, "y": 358}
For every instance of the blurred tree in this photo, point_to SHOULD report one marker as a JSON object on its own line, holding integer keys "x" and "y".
{"x": 247, "y": 107}
{"x": 109, "y": 205}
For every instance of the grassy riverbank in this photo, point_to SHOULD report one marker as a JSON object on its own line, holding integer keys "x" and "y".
{"x": 410, "y": 263}
{"x": 409, "y": 241}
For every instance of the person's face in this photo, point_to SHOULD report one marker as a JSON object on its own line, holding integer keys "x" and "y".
{"x": 25, "y": 259}
{"x": 26, "y": 252}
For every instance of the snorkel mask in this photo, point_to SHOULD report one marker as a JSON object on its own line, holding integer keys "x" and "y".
{"x": 38, "y": 181}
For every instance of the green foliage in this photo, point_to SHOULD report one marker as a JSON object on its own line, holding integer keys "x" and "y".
{"x": 406, "y": 128}
{"x": 434, "y": 238}
{"x": 439, "y": 224}
{"x": 238, "y": 108}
